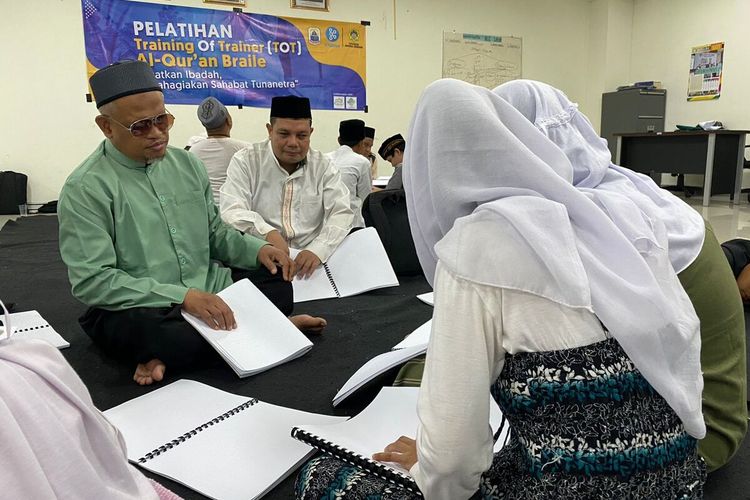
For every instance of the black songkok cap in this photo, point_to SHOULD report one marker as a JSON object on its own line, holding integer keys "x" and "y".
{"x": 352, "y": 130}
{"x": 370, "y": 132}
{"x": 122, "y": 79}
{"x": 290, "y": 106}
{"x": 386, "y": 149}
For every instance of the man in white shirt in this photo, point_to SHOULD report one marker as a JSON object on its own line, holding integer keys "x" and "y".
{"x": 392, "y": 151}
{"x": 285, "y": 192}
{"x": 350, "y": 159}
{"x": 216, "y": 150}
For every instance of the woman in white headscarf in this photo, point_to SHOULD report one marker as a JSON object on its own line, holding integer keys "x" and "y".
{"x": 55, "y": 443}
{"x": 573, "y": 319}
{"x": 693, "y": 250}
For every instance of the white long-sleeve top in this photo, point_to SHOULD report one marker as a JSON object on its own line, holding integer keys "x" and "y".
{"x": 473, "y": 328}
{"x": 355, "y": 173}
{"x": 216, "y": 153}
{"x": 309, "y": 207}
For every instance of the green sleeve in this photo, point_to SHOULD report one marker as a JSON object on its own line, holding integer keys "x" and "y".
{"x": 227, "y": 244}
{"x": 86, "y": 246}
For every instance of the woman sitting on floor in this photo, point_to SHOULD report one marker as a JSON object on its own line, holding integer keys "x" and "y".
{"x": 560, "y": 303}
{"x": 693, "y": 250}
{"x": 55, "y": 443}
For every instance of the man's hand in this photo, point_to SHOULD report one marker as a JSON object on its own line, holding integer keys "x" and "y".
{"x": 210, "y": 308}
{"x": 402, "y": 452}
{"x": 307, "y": 262}
{"x": 272, "y": 257}
{"x": 274, "y": 238}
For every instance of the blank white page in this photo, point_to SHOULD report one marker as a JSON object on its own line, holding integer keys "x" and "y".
{"x": 420, "y": 336}
{"x": 264, "y": 337}
{"x": 361, "y": 264}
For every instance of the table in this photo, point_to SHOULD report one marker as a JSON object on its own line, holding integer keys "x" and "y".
{"x": 718, "y": 155}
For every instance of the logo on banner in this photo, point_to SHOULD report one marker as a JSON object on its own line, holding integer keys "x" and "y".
{"x": 313, "y": 35}
{"x": 332, "y": 34}
{"x": 354, "y": 36}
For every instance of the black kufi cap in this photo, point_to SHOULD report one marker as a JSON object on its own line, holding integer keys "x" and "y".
{"x": 352, "y": 130}
{"x": 290, "y": 106}
{"x": 122, "y": 79}
{"x": 386, "y": 149}
{"x": 370, "y": 132}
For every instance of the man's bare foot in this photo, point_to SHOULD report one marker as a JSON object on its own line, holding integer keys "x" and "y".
{"x": 147, "y": 374}
{"x": 308, "y": 324}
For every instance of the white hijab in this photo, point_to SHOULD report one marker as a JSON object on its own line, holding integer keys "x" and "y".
{"x": 473, "y": 159}
{"x": 559, "y": 119}
{"x": 55, "y": 443}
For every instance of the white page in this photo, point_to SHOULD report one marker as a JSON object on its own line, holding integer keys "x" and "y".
{"x": 420, "y": 336}
{"x": 428, "y": 298}
{"x": 153, "y": 419}
{"x": 264, "y": 337}
{"x": 358, "y": 265}
{"x": 316, "y": 286}
{"x": 243, "y": 456}
{"x": 374, "y": 367}
{"x": 393, "y": 413}
{"x": 31, "y": 325}
{"x": 361, "y": 264}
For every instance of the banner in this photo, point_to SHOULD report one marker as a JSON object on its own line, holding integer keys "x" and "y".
{"x": 241, "y": 59}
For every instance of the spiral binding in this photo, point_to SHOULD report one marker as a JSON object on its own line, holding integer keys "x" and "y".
{"x": 330, "y": 279}
{"x": 382, "y": 471}
{"x": 35, "y": 327}
{"x": 171, "y": 444}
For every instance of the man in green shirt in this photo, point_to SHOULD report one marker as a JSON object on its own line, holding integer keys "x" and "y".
{"x": 140, "y": 234}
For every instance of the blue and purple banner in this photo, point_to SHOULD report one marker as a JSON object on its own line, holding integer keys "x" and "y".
{"x": 236, "y": 57}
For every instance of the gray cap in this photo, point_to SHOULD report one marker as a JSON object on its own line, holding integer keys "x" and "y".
{"x": 122, "y": 79}
{"x": 212, "y": 113}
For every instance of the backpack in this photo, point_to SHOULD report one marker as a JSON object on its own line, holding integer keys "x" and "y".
{"x": 386, "y": 212}
{"x": 12, "y": 192}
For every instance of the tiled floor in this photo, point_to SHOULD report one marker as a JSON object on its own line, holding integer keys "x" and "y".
{"x": 728, "y": 220}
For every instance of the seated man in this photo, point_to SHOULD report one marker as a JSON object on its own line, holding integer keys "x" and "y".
{"x": 369, "y": 140}
{"x": 139, "y": 231}
{"x": 351, "y": 160}
{"x": 216, "y": 150}
{"x": 287, "y": 193}
{"x": 392, "y": 151}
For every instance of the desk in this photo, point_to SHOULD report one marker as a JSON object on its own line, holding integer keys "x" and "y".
{"x": 718, "y": 155}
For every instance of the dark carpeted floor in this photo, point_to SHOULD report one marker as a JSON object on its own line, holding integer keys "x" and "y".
{"x": 32, "y": 276}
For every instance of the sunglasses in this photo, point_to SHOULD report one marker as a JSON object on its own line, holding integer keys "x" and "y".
{"x": 139, "y": 128}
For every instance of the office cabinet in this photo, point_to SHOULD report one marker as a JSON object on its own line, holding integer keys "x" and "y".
{"x": 632, "y": 111}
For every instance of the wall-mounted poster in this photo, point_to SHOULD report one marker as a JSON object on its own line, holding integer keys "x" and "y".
{"x": 485, "y": 60}
{"x": 239, "y": 58}
{"x": 706, "y": 64}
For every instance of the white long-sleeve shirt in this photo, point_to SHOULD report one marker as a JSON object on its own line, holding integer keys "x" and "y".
{"x": 473, "y": 328}
{"x": 355, "y": 173}
{"x": 309, "y": 207}
{"x": 215, "y": 153}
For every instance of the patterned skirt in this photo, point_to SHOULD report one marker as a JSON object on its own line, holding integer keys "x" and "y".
{"x": 585, "y": 424}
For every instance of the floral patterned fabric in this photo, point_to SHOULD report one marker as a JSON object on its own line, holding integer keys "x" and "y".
{"x": 585, "y": 425}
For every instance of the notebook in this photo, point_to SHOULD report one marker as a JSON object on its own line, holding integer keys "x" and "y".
{"x": 222, "y": 445}
{"x": 376, "y": 366}
{"x": 264, "y": 337}
{"x": 393, "y": 413}
{"x": 31, "y": 325}
{"x": 428, "y": 298}
{"x": 358, "y": 265}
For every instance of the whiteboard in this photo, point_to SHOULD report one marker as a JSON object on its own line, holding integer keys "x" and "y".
{"x": 484, "y": 60}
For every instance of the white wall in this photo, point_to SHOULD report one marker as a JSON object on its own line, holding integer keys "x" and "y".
{"x": 664, "y": 31}
{"x": 48, "y": 127}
